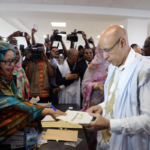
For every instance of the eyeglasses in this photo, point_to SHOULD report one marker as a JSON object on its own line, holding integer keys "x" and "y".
{"x": 109, "y": 50}
{"x": 8, "y": 63}
{"x": 17, "y": 53}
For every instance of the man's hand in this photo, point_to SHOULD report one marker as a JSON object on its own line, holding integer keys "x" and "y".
{"x": 100, "y": 123}
{"x": 54, "y": 53}
{"x": 28, "y": 37}
{"x": 47, "y": 45}
{"x": 52, "y": 39}
{"x": 71, "y": 76}
{"x": 55, "y": 90}
{"x": 28, "y": 55}
{"x": 95, "y": 109}
{"x": 16, "y": 34}
{"x": 84, "y": 36}
{"x": 44, "y": 57}
{"x": 91, "y": 41}
{"x": 34, "y": 30}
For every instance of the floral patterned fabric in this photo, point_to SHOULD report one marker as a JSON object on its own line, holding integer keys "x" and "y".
{"x": 95, "y": 73}
{"x": 22, "y": 81}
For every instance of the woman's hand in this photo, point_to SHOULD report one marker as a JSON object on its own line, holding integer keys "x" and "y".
{"x": 99, "y": 86}
{"x": 54, "y": 114}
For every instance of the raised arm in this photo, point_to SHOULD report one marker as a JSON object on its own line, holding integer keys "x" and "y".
{"x": 85, "y": 39}
{"x": 33, "y": 38}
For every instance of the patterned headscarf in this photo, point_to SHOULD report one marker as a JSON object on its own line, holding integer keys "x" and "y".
{"x": 4, "y": 47}
{"x": 22, "y": 81}
{"x": 96, "y": 73}
{"x": 8, "y": 90}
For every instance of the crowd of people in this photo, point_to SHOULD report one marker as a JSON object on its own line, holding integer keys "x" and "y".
{"x": 110, "y": 82}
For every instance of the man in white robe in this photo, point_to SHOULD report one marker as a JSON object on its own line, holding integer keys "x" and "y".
{"x": 123, "y": 119}
{"x": 70, "y": 87}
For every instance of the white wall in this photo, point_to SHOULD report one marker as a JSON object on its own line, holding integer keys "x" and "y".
{"x": 137, "y": 30}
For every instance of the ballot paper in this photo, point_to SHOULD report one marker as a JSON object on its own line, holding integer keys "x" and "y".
{"x": 34, "y": 100}
{"x": 48, "y": 105}
{"x": 76, "y": 117}
{"x": 48, "y": 118}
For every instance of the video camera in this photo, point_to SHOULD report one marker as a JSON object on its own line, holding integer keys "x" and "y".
{"x": 73, "y": 36}
{"x": 60, "y": 51}
{"x": 89, "y": 40}
{"x": 56, "y": 36}
{"x": 36, "y": 52}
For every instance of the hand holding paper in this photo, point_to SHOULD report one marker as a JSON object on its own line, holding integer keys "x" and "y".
{"x": 76, "y": 117}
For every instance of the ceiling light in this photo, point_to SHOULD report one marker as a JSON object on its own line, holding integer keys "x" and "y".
{"x": 45, "y": 36}
{"x": 98, "y": 36}
{"x": 5, "y": 39}
{"x": 58, "y": 24}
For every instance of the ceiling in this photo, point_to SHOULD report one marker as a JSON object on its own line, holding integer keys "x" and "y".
{"x": 92, "y": 24}
{"x": 132, "y": 4}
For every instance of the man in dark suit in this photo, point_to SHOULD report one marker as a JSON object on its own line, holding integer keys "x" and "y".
{"x": 82, "y": 65}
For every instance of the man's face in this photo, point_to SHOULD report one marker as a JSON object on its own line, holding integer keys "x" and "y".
{"x": 81, "y": 51}
{"x": 14, "y": 41}
{"x": 115, "y": 56}
{"x": 75, "y": 57}
{"x": 88, "y": 55}
{"x": 146, "y": 48}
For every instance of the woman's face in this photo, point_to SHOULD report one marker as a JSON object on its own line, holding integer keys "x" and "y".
{"x": 7, "y": 63}
{"x": 17, "y": 56}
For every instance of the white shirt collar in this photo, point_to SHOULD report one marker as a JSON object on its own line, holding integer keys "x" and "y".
{"x": 87, "y": 62}
{"x": 130, "y": 57}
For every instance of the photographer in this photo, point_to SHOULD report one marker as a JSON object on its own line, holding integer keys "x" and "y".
{"x": 91, "y": 41}
{"x": 38, "y": 73}
{"x": 62, "y": 43}
{"x": 54, "y": 87}
{"x": 14, "y": 41}
{"x": 80, "y": 49}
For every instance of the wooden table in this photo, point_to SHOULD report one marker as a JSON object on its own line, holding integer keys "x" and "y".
{"x": 53, "y": 145}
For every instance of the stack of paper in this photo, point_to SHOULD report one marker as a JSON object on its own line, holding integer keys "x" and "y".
{"x": 60, "y": 124}
{"x": 76, "y": 117}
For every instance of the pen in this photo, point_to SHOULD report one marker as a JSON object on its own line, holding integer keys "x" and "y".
{"x": 55, "y": 110}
